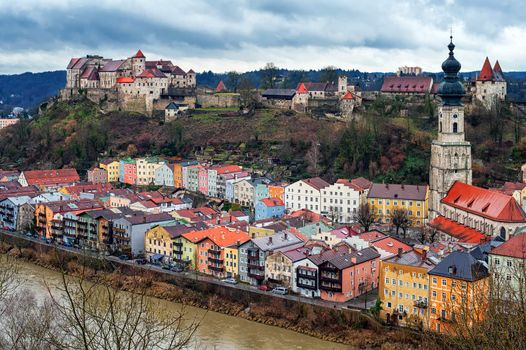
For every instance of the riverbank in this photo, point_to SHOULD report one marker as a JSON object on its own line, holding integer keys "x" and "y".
{"x": 340, "y": 326}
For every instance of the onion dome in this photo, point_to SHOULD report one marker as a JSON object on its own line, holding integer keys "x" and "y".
{"x": 451, "y": 89}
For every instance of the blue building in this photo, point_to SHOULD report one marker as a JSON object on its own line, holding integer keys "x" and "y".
{"x": 269, "y": 208}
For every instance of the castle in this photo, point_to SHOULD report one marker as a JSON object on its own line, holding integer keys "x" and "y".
{"x": 133, "y": 83}
{"x": 490, "y": 86}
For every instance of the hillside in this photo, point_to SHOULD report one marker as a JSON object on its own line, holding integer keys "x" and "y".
{"x": 379, "y": 145}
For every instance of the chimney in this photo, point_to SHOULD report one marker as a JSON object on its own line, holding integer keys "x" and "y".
{"x": 238, "y": 242}
{"x": 285, "y": 236}
{"x": 424, "y": 255}
{"x": 402, "y": 186}
{"x": 270, "y": 240}
{"x": 387, "y": 186}
{"x": 400, "y": 251}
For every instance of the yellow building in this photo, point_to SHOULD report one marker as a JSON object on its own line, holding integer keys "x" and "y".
{"x": 264, "y": 231}
{"x": 404, "y": 288}
{"x": 383, "y": 199}
{"x": 159, "y": 241}
{"x": 232, "y": 261}
{"x": 112, "y": 167}
{"x": 187, "y": 245}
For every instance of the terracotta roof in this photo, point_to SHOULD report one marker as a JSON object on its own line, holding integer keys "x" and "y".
{"x": 122, "y": 80}
{"x": 463, "y": 233}
{"x": 90, "y": 73}
{"x": 390, "y": 244}
{"x": 309, "y": 86}
{"x": 486, "y": 74}
{"x": 514, "y": 247}
{"x": 225, "y": 236}
{"x": 483, "y": 202}
{"x": 238, "y": 214}
{"x": 226, "y": 169}
{"x": 362, "y": 182}
{"x": 272, "y": 202}
{"x": 75, "y": 206}
{"x": 373, "y": 235}
{"x": 139, "y": 54}
{"x": 77, "y": 189}
{"x": 348, "y": 96}
{"x": 51, "y": 177}
{"x": 398, "y": 191}
{"x": 220, "y": 87}
{"x": 151, "y": 73}
{"x": 112, "y": 66}
{"x": 316, "y": 182}
{"x": 407, "y": 84}
{"x": 350, "y": 184}
{"x": 301, "y": 89}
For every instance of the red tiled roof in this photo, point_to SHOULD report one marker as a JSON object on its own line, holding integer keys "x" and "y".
{"x": 348, "y": 96}
{"x": 408, "y": 84}
{"x": 350, "y": 184}
{"x": 122, "y": 80}
{"x": 497, "y": 68}
{"x": 51, "y": 177}
{"x": 221, "y": 87}
{"x": 316, "y": 182}
{"x": 227, "y": 169}
{"x": 225, "y": 236}
{"x": 238, "y": 214}
{"x": 77, "y": 189}
{"x": 483, "y": 202}
{"x": 301, "y": 89}
{"x": 486, "y": 74}
{"x": 391, "y": 245}
{"x": 514, "y": 247}
{"x": 139, "y": 54}
{"x": 272, "y": 202}
{"x": 151, "y": 73}
{"x": 371, "y": 235}
{"x": 463, "y": 233}
{"x": 362, "y": 182}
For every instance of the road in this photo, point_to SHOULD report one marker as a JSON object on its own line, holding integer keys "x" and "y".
{"x": 359, "y": 304}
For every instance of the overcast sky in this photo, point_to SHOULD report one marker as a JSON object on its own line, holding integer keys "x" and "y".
{"x": 241, "y": 35}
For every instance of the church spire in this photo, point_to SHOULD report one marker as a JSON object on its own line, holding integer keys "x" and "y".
{"x": 451, "y": 89}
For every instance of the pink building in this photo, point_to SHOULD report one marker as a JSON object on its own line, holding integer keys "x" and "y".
{"x": 130, "y": 173}
{"x": 202, "y": 180}
{"x": 346, "y": 274}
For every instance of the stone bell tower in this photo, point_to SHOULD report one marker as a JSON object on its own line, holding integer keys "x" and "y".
{"x": 450, "y": 153}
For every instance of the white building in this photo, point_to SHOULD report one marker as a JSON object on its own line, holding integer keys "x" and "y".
{"x": 341, "y": 200}
{"x": 305, "y": 194}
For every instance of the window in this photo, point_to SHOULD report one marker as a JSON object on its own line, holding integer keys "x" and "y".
{"x": 455, "y": 127}
{"x": 434, "y": 280}
{"x": 444, "y": 282}
{"x": 386, "y": 280}
{"x": 389, "y": 304}
{"x": 509, "y": 263}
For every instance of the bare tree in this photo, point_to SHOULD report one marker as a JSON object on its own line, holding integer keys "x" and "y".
{"x": 365, "y": 216}
{"x": 400, "y": 220}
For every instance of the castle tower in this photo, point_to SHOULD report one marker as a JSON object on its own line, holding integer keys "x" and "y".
{"x": 342, "y": 85}
{"x": 490, "y": 85}
{"x": 450, "y": 153}
{"x": 138, "y": 63}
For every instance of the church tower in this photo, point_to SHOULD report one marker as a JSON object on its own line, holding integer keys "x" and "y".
{"x": 450, "y": 153}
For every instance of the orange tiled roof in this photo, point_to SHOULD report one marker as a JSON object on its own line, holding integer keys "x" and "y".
{"x": 514, "y": 247}
{"x": 463, "y": 233}
{"x": 51, "y": 177}
{"x": 483, "y": 202}
{"x": 225, "y": 236}
{"x": 348, "y": 96}
{"x": 122, "y": 80}
{"x": 391, "y": 245}
{"x": 272, "y": 202}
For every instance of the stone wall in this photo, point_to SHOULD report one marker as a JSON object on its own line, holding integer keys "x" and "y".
{"x": 218, "y": 100}
{"x": 274, "y": 103}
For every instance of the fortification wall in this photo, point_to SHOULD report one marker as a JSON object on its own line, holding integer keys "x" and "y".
{"x": 218, "y": 100}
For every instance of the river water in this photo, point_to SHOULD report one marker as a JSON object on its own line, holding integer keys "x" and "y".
{"x": 216, "y": 331}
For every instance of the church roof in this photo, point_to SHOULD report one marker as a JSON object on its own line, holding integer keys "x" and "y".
{"x": 483, "y": 202}
{"x": 486, "y": 74}
{"x": 463, "y": 234}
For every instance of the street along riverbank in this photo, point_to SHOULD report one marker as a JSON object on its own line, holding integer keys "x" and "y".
{"x": 339, "y": 326}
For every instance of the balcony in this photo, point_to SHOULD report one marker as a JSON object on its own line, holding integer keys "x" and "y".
{"x": 325, "y": 277}
{"x": 305, "y": 274}
{"x": 215, "y": 268}
{"x": 215, "y": 260}
{"x": 306, "y": 286}
{"x": 256, "y": 266}
{"x": 257, "y": 276}
{"x": 330, "y": 287}
{"x": 420, "y": 304}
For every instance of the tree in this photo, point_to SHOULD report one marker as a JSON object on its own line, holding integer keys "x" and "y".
{"x": 269, "y": 75}
{"x": 377, "y": 308}
{"x": 365, "y": 216}
{"x": 131, "y": 150}
{"x": 400, "y": 219}
{"x": 329, "y": 75}
{"x": 313, "y": 156}
{"x": 232, "y": 80}
{"x": 247, "y": 94}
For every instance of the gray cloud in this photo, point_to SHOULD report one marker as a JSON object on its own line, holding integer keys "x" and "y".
{"x": 243, "y": 34}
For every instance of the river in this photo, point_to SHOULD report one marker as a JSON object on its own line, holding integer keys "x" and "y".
{"x": 216, "y": 331}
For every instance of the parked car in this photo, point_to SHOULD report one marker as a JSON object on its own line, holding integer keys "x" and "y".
{"x": 166, "y": 267}
{"x": 124, "y": 257}
{"x": 141, "y": 261}
{"x": 177, "y": 268}
{"x": 263, "y": 287}
{"x": 230, "y": 280}
{"x": 280, "y": 291}
{"x": 67, "y": 244}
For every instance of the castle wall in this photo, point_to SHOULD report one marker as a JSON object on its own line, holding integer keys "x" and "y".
{"x": 275, "y": 103}
{"x": 218, "y": 100}
{"x": 488, "y": 92}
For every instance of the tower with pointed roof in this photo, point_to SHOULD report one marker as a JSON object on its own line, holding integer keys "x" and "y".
{"x": 490, "y": 85}
{"x": 138, "y": 63}
{"x": 450, "y": 152}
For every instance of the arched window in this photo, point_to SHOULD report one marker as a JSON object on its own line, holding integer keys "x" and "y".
{"x": 455, "y": 127}
{"x": 503, "y": 233}
{"x": 440, "y": 127}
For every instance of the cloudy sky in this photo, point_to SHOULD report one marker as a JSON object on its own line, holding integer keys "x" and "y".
{"x": 223, "y": 35}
